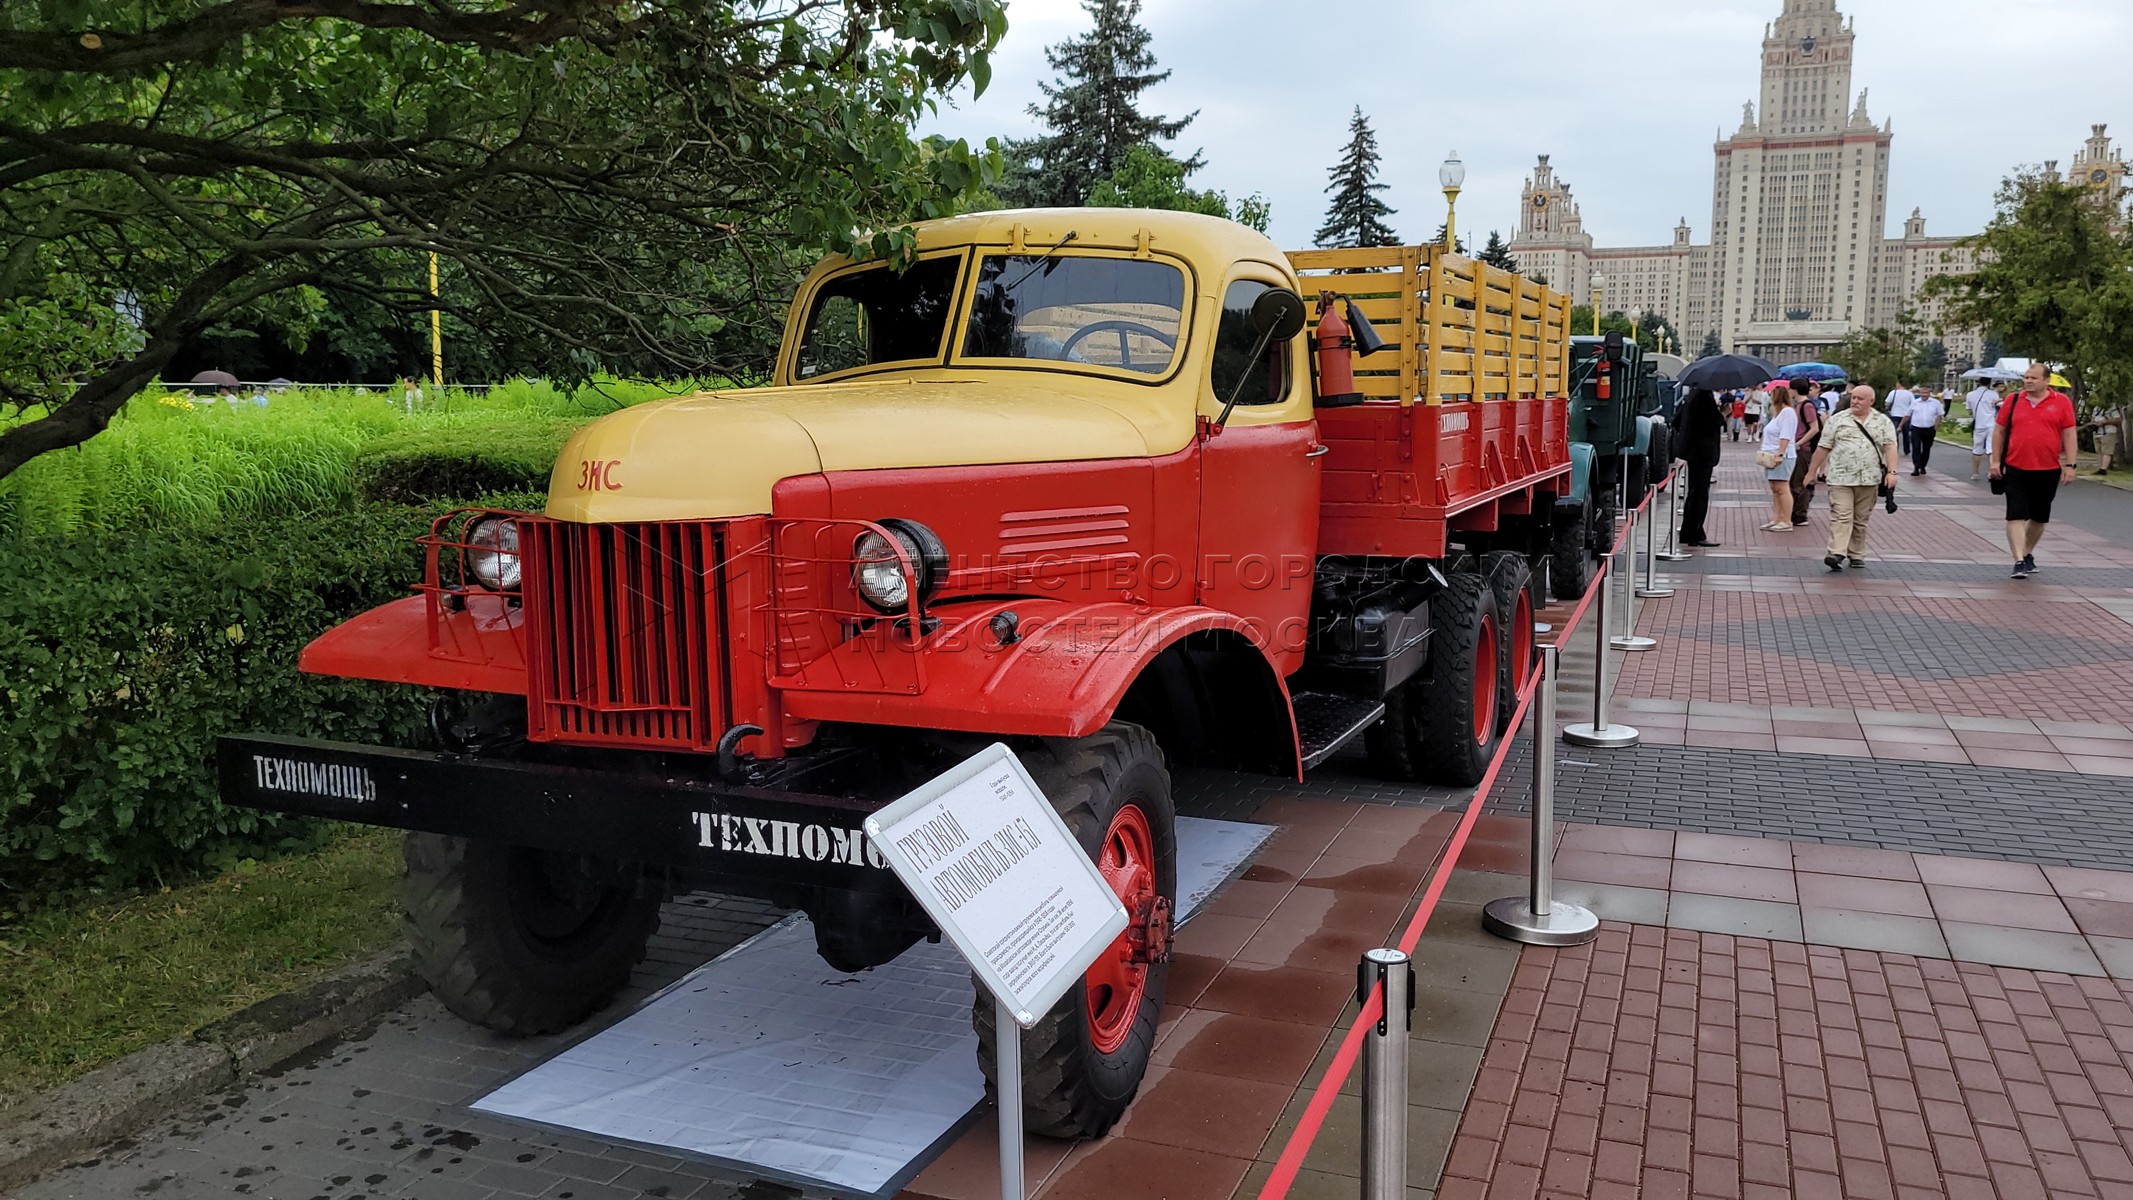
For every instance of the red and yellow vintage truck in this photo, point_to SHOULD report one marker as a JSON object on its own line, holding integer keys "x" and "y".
{"x": 1080, "y": 479}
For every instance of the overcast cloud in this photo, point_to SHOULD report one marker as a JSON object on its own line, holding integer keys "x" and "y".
{"x": 1626, "y": 96}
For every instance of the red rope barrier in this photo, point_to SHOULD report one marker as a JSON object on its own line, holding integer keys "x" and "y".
{"x": 1329, "y": 1085}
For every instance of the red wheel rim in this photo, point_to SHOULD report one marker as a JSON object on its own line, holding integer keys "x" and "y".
{"x": 1522, "y": 639}
{"x": 1116, "y": 982}
{"x": 1485, "y": 681}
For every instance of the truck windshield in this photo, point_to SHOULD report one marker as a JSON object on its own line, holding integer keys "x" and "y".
{"x": 875, "y": 316}
{"x": 1105, "y": 312}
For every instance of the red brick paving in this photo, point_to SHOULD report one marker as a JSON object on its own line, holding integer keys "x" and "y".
{"x": 1660, "y": 1062}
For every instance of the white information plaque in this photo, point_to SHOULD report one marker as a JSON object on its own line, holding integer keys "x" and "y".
{"x": 1003, "y": 877}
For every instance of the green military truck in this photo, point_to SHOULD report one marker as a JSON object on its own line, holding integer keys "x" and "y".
{"x": 1619, "y": 445}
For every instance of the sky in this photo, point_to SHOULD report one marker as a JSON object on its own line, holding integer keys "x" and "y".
{"x": 1627, "y": 97}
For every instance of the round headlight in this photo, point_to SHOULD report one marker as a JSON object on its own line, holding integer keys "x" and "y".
{"x": 881, "y": 576}
{"x": 492, "y": 553}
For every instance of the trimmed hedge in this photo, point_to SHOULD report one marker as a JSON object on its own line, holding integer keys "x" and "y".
{"x": 416, "y": 466}
{"x": 123, "y": 655}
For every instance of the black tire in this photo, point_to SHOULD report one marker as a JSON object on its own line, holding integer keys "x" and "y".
{"x": 1510, "y": 579}
{"x": 521, "y": 941}
{"x": 1071, "y": 1087}
{"x": 1661, "y": 456}
{"x": 1635, "y": 484}
{"x": 1433, "y": 728}
{"x": 1569, "y": 552}
{"x": 1603, "y": 521}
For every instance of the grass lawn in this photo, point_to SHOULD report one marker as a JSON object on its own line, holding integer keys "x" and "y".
{"x": 82, "y": 986}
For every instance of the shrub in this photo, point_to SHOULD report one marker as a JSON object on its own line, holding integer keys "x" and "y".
{"x": 416, "y": 466}
{"x": 124, "y": 654}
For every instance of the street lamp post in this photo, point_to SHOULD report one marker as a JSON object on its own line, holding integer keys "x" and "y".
{"x": 1452, "y": 176}
{"x": 1635, "y": 315}
{"x": 1599, "y": 293}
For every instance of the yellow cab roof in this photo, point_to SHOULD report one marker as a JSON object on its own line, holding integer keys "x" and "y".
{"x": 1202, "y": 240}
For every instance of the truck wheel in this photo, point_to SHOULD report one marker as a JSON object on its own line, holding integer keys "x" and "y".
{"x": 1569, "y": 558}
{"x": 1082, "y": 1063}
{"x": 1511, "y": 580}
{"x": 516, "y": 940}
{"x": 1442, "y": 728}
{"x": 1638, "y": 481}
{"x": 1661, "y": 456}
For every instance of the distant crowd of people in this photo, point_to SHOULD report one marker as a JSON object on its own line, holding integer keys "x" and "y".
{"x": 1808, "y": 432}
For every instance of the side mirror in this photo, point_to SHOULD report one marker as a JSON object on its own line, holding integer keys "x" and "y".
{"x": 1278, "y": 314}
{"x": 1613, "y": 342}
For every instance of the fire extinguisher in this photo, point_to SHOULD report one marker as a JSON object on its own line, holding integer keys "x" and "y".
{"x": 1604, "y": 379}
{"x": 1334, "y": 346}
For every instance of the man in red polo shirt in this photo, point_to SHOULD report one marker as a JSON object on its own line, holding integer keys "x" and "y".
{"x": 2032, "y": 453}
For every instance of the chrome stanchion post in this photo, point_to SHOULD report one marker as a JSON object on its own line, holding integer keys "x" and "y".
{"x": 1673, "y": 551}
{"x": 1651, "y": 589}
{"x": 1628, "y": 639}
{"x": 1599, "y": 735}
{"x": 1385, "y": 1073}
{"x": 1538, "y": 918}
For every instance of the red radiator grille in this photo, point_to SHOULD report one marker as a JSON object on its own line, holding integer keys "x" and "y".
{"x": 622, "y": 625}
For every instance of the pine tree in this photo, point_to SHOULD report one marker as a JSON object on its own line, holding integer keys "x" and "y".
{"x": 1710, "y": 345}
{"x": 1458, "y": 247}
{"x": 1497, "y": 254}
{"x": 1090, "y": 110}
{"x": 1356, "y": 217}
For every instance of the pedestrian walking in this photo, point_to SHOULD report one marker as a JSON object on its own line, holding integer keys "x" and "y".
{"x": 1983, "y": 402}
{"x": 1699, "y": 433}
{"x": 1829, "y": 399}
{"x": 2110, "y": 426}
{"x": 1859, "y": 452}
{"x": 1758, "y": 404}
{"x": 1901, "y": 398}
{"x": 1780, "y": 447}
{"x": 2032, "y": 454}
{"x": 1737, "y": 420}
{"x": 1807, "y": 408}
{"x": 1926, "y": 412}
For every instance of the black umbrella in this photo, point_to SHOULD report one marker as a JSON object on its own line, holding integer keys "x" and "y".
{"x": 1721, "y": 371}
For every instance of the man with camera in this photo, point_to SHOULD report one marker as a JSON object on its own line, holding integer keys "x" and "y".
{"x": 1858, "y": 451}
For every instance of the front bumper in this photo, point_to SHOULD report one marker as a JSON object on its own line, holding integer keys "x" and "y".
{"x": 712, "y": 830}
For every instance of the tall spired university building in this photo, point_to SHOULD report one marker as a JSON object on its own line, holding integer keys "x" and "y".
{"x": 1799, "y": 254}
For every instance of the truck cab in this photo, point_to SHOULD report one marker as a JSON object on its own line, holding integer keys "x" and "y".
{"x": 1073, "y": 479}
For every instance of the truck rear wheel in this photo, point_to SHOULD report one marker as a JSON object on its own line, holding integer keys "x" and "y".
{"x": 516, "y": 940}
{"x": 1442, "y": 728}
{"x": 1082, "y": 1063}
{"x": 1569, "y": 558}
{"x": 1510, "y": 578}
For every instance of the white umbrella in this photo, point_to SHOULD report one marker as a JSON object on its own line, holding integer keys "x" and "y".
{"x": 1996, "y": 374}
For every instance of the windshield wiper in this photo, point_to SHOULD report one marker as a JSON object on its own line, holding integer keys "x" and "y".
{"x": 1071, "y": 235}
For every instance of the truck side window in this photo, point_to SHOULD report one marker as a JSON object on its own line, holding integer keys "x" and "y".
{"x": 1105, "y": 312}
{"x": 875, "y": 316}
{"x": 1234, "y": 339}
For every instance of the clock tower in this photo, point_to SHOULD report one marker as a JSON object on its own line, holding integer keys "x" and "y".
{"x": 1807, "y": 69}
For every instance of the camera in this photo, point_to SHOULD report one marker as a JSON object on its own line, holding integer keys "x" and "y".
{"x": 1888, "y": 496}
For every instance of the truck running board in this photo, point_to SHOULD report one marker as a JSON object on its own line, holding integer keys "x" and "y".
{"x": 1326, "y": 721}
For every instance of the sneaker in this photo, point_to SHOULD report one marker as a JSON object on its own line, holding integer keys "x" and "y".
{"x": 2021, "y": 570}
{"x": 1858, "y": 563}
{"x": 1834, "y": 562}
{"x": 2029, "y": 564}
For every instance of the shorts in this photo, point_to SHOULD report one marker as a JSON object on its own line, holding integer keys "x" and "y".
{"x": 1782, "y": 473}
{"x": 1981, "y": 440}
{"x": 2030, "y": 493}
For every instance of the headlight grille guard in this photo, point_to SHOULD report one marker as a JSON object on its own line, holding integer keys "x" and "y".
{"x": 447, "y": 576}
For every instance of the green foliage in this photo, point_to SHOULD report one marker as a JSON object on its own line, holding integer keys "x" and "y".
{"x": 609, "y": 187}
{"x": 1882, "y": 358}
{"x": 89, "y": 983}
{"x": 178, "y": 463}
{"x": 1932, "y": 361}
{"x": 1356, "y": 217}
{"x": 125, "y": 652}
{"x": 1711, "y": 345}
{"x": 1497, "y": 253}
{"x": 1437, "y": 239}
{"x": 1092, "y": 113}
{"x": 1616, "y": 322}
{"x": 2054, "y": 281}
{"x": 1147, "y": 179}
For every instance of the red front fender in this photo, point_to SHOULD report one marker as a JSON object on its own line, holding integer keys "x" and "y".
{"x": 476, "y": 648}
{"x": 1064, "y": 677}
